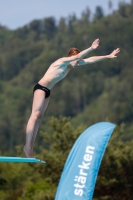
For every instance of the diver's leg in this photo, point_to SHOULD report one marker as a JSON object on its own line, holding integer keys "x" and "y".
{"x": 39, "y": 106}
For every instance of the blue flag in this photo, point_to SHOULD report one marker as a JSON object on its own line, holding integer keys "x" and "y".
{"x": 81, "y": 169}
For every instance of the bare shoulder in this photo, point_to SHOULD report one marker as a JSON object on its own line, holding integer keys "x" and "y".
{"x": 75, "y": 64}
{"x": 57, "y": 62}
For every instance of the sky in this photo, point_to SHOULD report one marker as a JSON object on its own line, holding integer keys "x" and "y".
{"x": 17, "y": 13}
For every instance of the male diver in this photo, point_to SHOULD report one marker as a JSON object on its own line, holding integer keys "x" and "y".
{"x": 57, "y": 71}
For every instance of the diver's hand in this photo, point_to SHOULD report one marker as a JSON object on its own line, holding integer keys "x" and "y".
{"x": 114, "y": 53}
{"x": 95, "y": 44}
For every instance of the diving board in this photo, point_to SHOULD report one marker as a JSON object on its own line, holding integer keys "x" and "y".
{"x": 20, "y": 159}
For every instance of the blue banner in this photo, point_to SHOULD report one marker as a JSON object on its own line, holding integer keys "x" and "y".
{"x": 81, "y": 169}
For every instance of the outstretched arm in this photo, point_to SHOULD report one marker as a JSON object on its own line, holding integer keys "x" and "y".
{"x": 98, "y": 58}
{"x": 83, "y": 53}
{"x": 94, "y": 45}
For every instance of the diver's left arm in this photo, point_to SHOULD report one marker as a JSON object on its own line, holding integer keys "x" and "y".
{"x": 94, "y": 59}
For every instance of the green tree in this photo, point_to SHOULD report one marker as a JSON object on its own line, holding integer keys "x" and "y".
{"x": 98, "y": 13}
{"x": 115, "y": 176}
{"x": 49, "y": 27}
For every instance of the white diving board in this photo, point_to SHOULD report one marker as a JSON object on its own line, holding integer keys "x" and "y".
{"x": 20, "y": 159}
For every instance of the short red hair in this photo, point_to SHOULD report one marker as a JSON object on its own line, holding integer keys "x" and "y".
{"x": 73, "y": 51}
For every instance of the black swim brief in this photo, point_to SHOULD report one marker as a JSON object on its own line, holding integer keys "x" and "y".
{"x": 40, "y": 87}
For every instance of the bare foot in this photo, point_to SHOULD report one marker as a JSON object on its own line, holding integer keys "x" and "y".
{"x": 28, "y": 152}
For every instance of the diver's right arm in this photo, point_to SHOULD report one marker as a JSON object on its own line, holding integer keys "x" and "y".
{"x": 82, "y": 54}
{"x": 79, "y": 56}
{"x": 94, "y": 45}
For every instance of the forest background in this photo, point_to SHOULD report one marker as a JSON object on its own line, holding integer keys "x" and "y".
{"x": 89, "y": 94}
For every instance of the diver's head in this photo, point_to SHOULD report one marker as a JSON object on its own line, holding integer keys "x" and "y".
{"x": 73, "y": 51}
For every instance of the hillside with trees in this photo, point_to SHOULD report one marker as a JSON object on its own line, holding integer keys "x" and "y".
{"x": 89, "y": 94}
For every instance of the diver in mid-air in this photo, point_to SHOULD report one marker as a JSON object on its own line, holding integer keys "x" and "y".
{"x": 57, "y": 71}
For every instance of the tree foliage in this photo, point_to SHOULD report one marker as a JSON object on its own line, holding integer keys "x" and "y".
{"x": 40, "y": 181}
{"x": 89, "y": 94}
